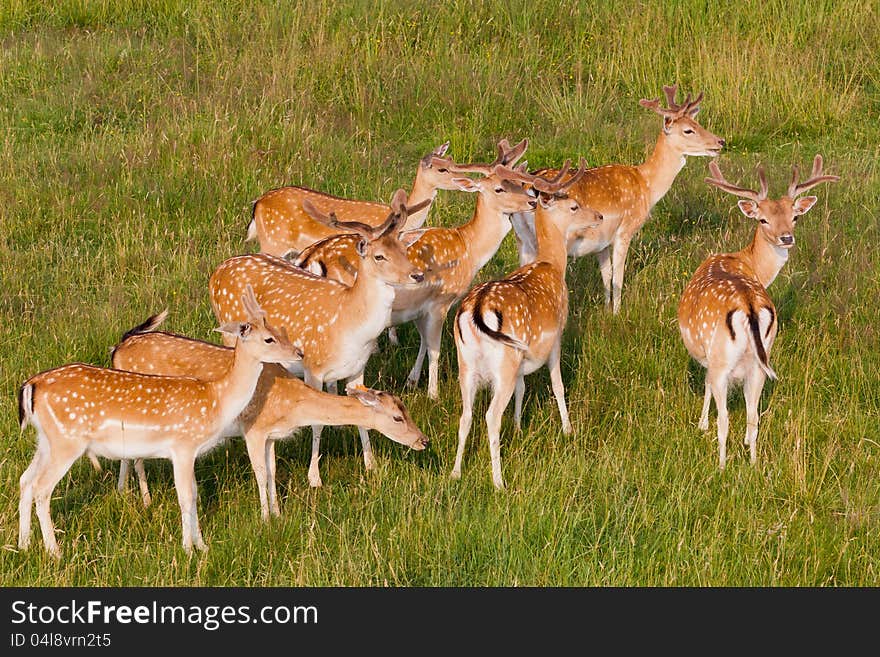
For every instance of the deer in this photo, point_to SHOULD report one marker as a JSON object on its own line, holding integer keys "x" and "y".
{"x": 451, "y": 257}
{"x": 507, "y": 328}
{"x": 726, "y": 318}
{"x": 281, "y": 403}
{"x": 283, "y": 229}
{"x": 80, "y": 408}
{"x": 625, "y": 195}
{"x": 336, "y": 324}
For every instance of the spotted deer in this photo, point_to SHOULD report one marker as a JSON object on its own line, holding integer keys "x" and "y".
{"x": 281, "y": 403}
{"x": 283, "y": 228}
{"x": 626, "y": 194}
{"x": 336, "y": 324}
{"x": 508, "y": 328}
{"x": 450, "y": 257}
{"x": 726, "y": 318}
{"x": 80, "y": 408}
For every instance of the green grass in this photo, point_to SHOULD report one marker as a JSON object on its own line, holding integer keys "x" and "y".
{"x": 135, "y": 135}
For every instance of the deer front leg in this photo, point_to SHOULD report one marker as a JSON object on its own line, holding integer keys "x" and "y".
{"x": 369, "y": 462}
{"x": 184, "y": 476}
{"x": 752, "y": 386}
{"x": 559, "y": 387}
{"x": 618, "y": 266}
{"x": 257, "y": 453}
{"x": 142, "y": 482}
{"x": 434, "y": 330}
{"x": 604, "y": 258}
{"x": 314, "y": 473}
{"x": 468, "y": 390}
{"x": 412, "y": 380}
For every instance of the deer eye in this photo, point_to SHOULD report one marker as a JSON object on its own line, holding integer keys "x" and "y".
{"x": 442, "y": 170}
{"x": 575, "y": 207}
{"x": 764, "y": 221}
{"x": 499, "y": 190}
{"x": 688, "y": 131}
{"x": 397, "y": 418}
{"x": 379, "y": 257}
{"x": 269, "y": 340}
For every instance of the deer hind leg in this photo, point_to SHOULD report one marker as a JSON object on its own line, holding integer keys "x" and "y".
{"x": 503, "y": 387}
{"x": 142, "y": 482}
{"x": 270, "y": 478}
{"x": 369, "y": 461}
{"x": 703, "y": 425}
{"x": 314, "y": 473}
{"x": 559, "y": 387}
{"x": 194, "y": 514}
{"x": 123, "y": 475}
{"x": 26, "y": 501}
{"x": 718, "y": 383}
{"x": 184, "y": 483}
{"x": 258, "y": 455}
{"x": 468, "y": 385}
{"x": 415, "y": 373}
{"x": 392, "y": 336}
{"x": 604, "y": 258}
{"x": 52, "y": 467}
{"x": 752, "y": 386}
{"x": 618, "y": 266}
{"x": 434, "y": 328}
{"x": 519, "y": 392}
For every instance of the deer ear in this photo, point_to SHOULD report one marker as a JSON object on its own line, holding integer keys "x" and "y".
{"x": 239, "y": 329}
{"x": 667, "y": 124}
{"x": 546, "y": 200}
{"x": 364, "y": 395}
{"x": 361, "y": 248}
{"x": 466, "y": 184}
{"x": 410, "y": 237}
{"x": 748, "y": 208}
{"x": 803, "y": 205}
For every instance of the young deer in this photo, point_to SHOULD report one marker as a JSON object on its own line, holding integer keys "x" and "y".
{"x": 280, "y": 405}
{"x": 284, "y": 229}
{"x": 625, "y": 194}
{"x": 121, "y": 415}
{"x": 450, "y": 257}
{"x": 336, "y": 325}
{"x": 725, "y": 316}
{"x": 508, "y": 328}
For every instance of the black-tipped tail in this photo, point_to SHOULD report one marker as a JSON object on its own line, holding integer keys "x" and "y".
{"x": 758, "y": 342}
{"x": 481, "y": 325}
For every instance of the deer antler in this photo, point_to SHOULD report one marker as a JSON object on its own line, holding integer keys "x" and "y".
{"x": 507, "y": 156}
{"x": 362, "y": 229}
{"x": 816, "y": 178}
{"x": 673, "y": 109}
{"x": 719, "y": 181}
{"x": 544, "y": 185}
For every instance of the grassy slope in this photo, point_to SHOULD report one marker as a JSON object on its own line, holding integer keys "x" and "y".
{"x": 135, "y": 135}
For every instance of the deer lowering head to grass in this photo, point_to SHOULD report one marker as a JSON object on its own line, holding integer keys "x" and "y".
{"x": 726, "y": 318}
{"x": 508, "y": 328}
{"x": 284, "y": 229}
{"x": 336, "y": 325}
{"x": 450, "y": 257}
{"x": 625, "y": 194}
{"x": 123, "y": 415}
{"x": 280, "y": 405}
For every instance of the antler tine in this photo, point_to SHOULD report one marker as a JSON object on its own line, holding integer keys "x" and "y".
{"x": 582, "y": 169}
{"x": 512, "y": 154}
{"x": 670, "y": 91}
{"x": 816, "y": 178}
{"x": 329, "y": 219}
{"x": 690, "y": 107}
{"x": 397, "y": 214}
{"x": 720, "y": 182}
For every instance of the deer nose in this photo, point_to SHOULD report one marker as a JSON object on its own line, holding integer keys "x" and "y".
{"x": 599, "y": 217}
{"x": 787, "y": 238}
{"x": 722, "y": 143}
{"x": 418, "y": 276}
{"x": 422, "y": 442}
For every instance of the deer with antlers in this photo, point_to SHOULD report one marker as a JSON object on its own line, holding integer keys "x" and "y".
{"x": 625, "y": 194}
{"x": 121, "y": 415}
{"x": 450, "y": 257}
{"x": 336, "y": 324}
{"x": 726, "y": 318}
{"x": 281, "y": 403}
{"x": 283, "y": 228}
{"x": 508, "y": 328}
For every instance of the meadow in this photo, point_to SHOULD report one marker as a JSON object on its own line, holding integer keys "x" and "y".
{"x": 136, "y": 134}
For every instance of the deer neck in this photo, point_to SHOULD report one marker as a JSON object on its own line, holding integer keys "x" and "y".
{"x": 314, "y": 407}
{"x": 765, "y": 259}
{"x": 421, "y": 191}
{"x": 233, "y": 391}
{"x": 484, "y": 232}
{"x": 551, "y": 241}
{"x": 368, "y": 297}
{"x": 661, "y": 168}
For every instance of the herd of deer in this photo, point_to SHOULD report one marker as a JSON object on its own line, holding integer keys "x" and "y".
{"x": 333, "y": 273}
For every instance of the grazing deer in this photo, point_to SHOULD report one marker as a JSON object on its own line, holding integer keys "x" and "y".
{"x": 508, "y": 328}
{"x": 280, "y": 405}
{"x": 284, "y": 229}
{"x": 336, "y": 325}
{"x": 726, "y": 318}
{"x": 450, "y": 257}
{"x": 625, "y": 194}
{"x": 122, "y": 415}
